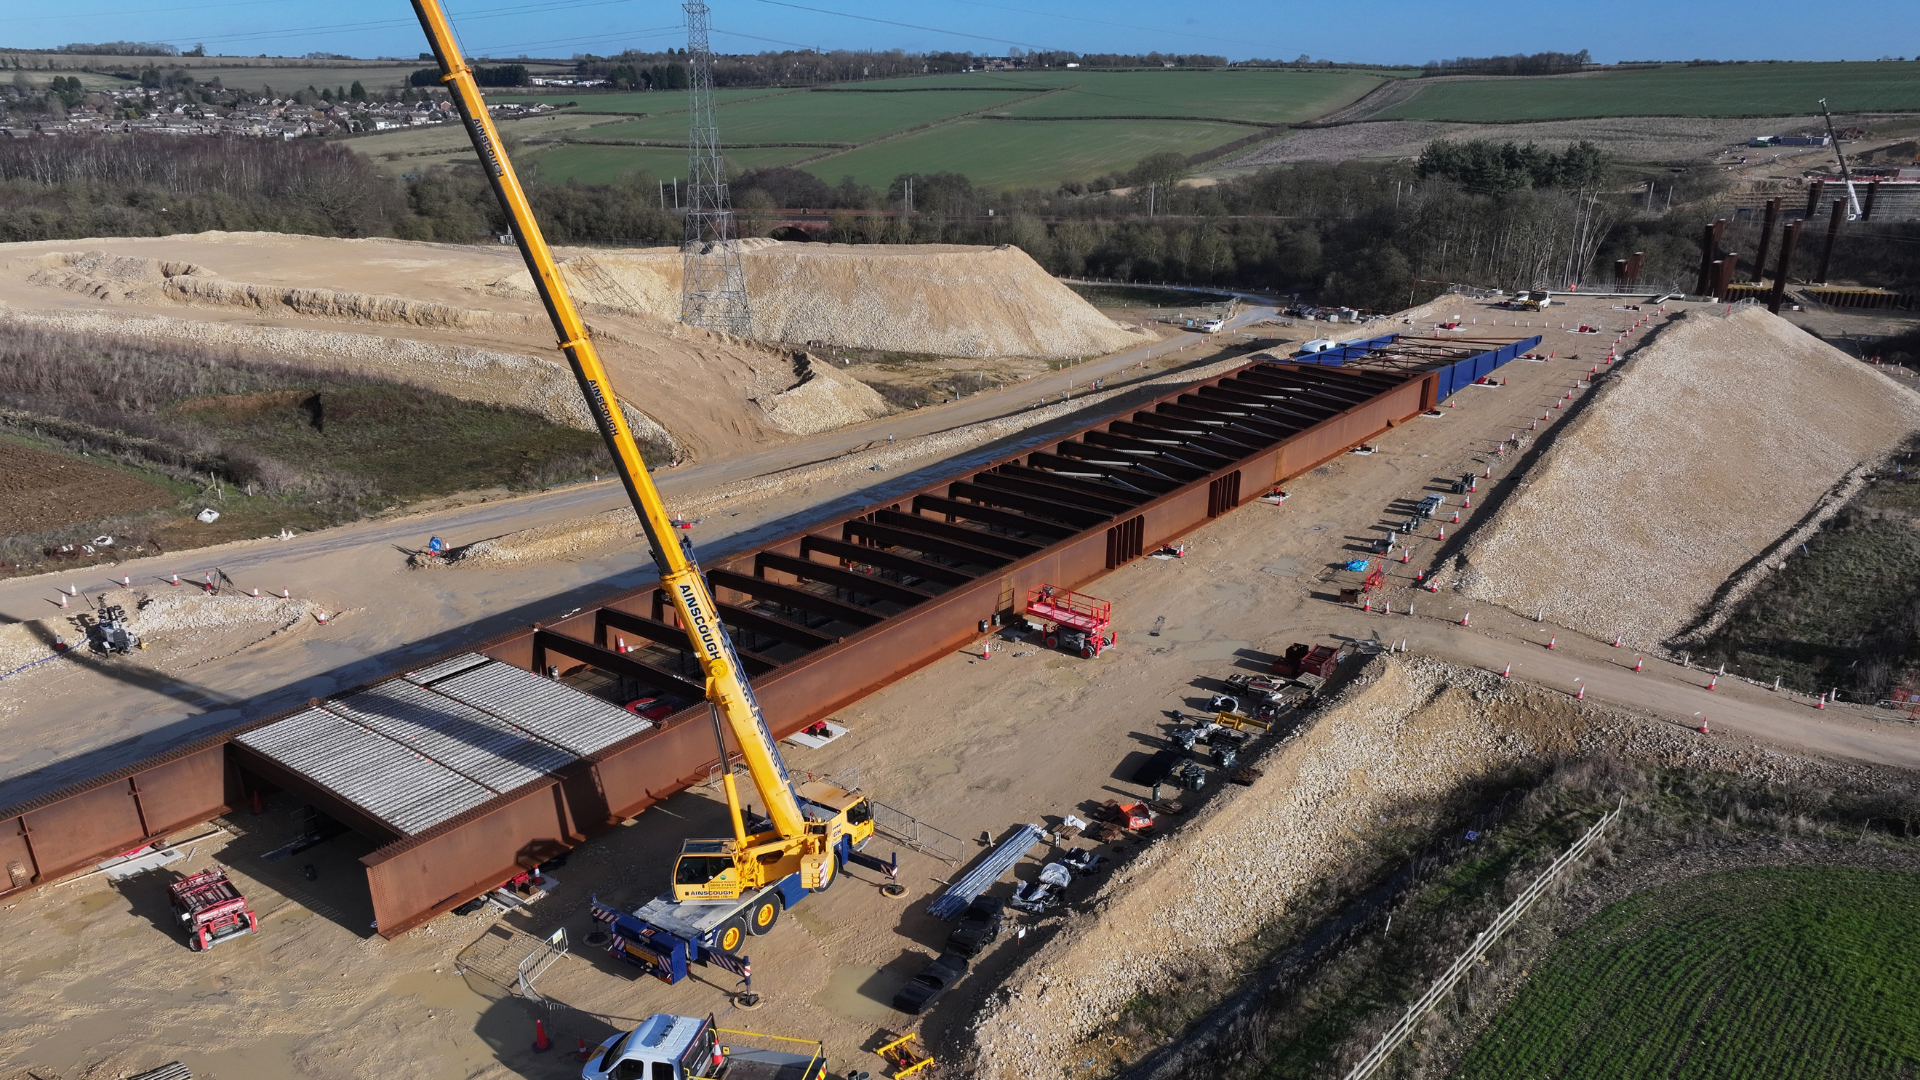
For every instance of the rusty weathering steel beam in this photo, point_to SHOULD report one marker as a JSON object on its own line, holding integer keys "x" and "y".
{"x": 822, "y": 618}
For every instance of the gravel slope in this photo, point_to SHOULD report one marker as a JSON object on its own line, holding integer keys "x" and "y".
{"x": 1706, "y": 447}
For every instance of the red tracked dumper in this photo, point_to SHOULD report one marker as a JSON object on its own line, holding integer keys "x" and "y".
{"x": 211, "y": 909}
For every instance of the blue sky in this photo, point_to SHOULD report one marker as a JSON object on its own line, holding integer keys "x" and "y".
{"x": 1384, "y": 31}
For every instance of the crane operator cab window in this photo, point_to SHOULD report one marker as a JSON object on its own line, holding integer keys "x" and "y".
{"x": 859, "y": 813}
{"x": 700, "y": 869}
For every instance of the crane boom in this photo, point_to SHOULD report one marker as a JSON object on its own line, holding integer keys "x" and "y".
{"x": 1853, "y": 198}
{"x": 727, "y": 688}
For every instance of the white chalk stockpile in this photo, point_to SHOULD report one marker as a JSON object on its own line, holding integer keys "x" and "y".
{"x": 942, "y": 299}
{"x": 1700, "y": 454}
{"x": 461, "y": 319}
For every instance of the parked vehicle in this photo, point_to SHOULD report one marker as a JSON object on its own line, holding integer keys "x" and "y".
{"x": 934, "y": 980}
{"x": 666, "y": 1047}
{"x": 979, "y": 927}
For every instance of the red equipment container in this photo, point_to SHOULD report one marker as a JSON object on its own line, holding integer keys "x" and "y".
{"x": 1300, "y": 660}
{"x": 1081, "y": 623}
{"x": 211, "y": 909}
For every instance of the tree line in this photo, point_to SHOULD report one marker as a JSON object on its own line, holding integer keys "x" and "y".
{"x": 1377, "y": 235}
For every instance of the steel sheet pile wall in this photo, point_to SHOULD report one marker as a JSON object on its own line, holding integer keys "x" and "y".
{"x": 822, "y": 618}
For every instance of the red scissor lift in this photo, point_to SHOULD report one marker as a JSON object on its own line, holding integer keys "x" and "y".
{"x": 1081, "y": 623}
{"x": 211, "y": 909}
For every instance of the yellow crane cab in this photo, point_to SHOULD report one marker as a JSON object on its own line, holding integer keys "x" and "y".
{"x": 839, "y": 822}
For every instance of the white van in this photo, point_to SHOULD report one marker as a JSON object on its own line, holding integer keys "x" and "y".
{"x": 1317, "y": 345}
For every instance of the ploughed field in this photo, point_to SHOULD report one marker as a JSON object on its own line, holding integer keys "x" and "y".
{"x": 41, "y": 490}
{"x": 1773, "y": 972}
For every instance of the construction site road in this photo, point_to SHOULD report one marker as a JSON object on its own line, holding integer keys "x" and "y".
{"x": 385, "y": 617}
{"x": 1500, "y": 641}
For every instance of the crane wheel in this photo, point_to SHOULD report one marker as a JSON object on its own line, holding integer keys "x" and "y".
{"x": 731, "y": 935}
{"x": 760, "y": 920}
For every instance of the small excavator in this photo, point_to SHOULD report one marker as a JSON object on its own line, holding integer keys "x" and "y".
{"x": 728, "y": 888}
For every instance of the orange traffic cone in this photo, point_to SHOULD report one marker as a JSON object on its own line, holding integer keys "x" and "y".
{"x": 1638, "y": 662}
{"x": 63, "y": 599}
{"x": 256, "y": 592}
{"x": 1552, "y": 640}
{"x": 1822, "y": 703}
{"x": 173, "y": 579}
{"x": 1456, "y": 517}
{"x": 1713, "y": 681}
{"x": 1616, "y": 641}
{"x": 1465, "y": 618}
{"x": 1433, "y": 586}
{"x": 585, "y": 1051}
{"x": 1508, "y": 673}
{"x": 541, "y": 1044}
{"x": 1581, "y": 694}
{"x": 1703, "y": 726}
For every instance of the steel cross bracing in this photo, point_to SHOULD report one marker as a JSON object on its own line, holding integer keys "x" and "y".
{"x": 713, "y": 286}
{"x": 840, "y": 580}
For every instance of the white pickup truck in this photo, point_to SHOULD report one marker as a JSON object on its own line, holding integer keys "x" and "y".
{"x": 667, "y": 1047}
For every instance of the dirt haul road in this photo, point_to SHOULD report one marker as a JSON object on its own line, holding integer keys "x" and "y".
{"x": 99, "y": 984}
{"x": 386, "y": 616}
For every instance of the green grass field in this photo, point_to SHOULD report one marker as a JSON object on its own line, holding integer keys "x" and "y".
{"x": 591, "y": 164}
{"x": 809, "y": 117}
{"x": 1271, "y": 97}
{"x": 652, "y": 103}
{"x": 1838, "y": 616}
{"x": 1051, "y": 147}
{"x": 1781, "y": 972}
{"x": 1774, "y": 89}
{"x": 1004, "y": 153}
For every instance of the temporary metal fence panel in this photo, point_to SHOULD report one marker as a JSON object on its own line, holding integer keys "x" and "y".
{"x": 949, "y": 904}
{"x": 917, "y": 834}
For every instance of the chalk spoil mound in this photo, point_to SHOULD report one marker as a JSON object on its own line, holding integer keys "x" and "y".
{"x": 1709, "y": 446}
{"x": 942, "y": 299}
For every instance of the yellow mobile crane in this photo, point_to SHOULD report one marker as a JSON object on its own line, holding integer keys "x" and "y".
{"x": 724, "y": 889}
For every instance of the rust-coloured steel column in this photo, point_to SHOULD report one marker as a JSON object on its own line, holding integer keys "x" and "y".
{"x": 1709, "y": 243}
{"x": 1833, "y": 233}
{"x": 1620, "y": 271}
{"x": 1633, "y": 267}
{"x": 1787, "y": 243}
{"x": 1723, "y": 276}
{"x": 1766, "y": 239}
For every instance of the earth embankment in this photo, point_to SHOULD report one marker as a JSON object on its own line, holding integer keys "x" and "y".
{"x": 1694, "y": 460}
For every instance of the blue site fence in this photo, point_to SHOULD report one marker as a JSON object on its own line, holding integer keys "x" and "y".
{"x": 1453, "y": 377}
